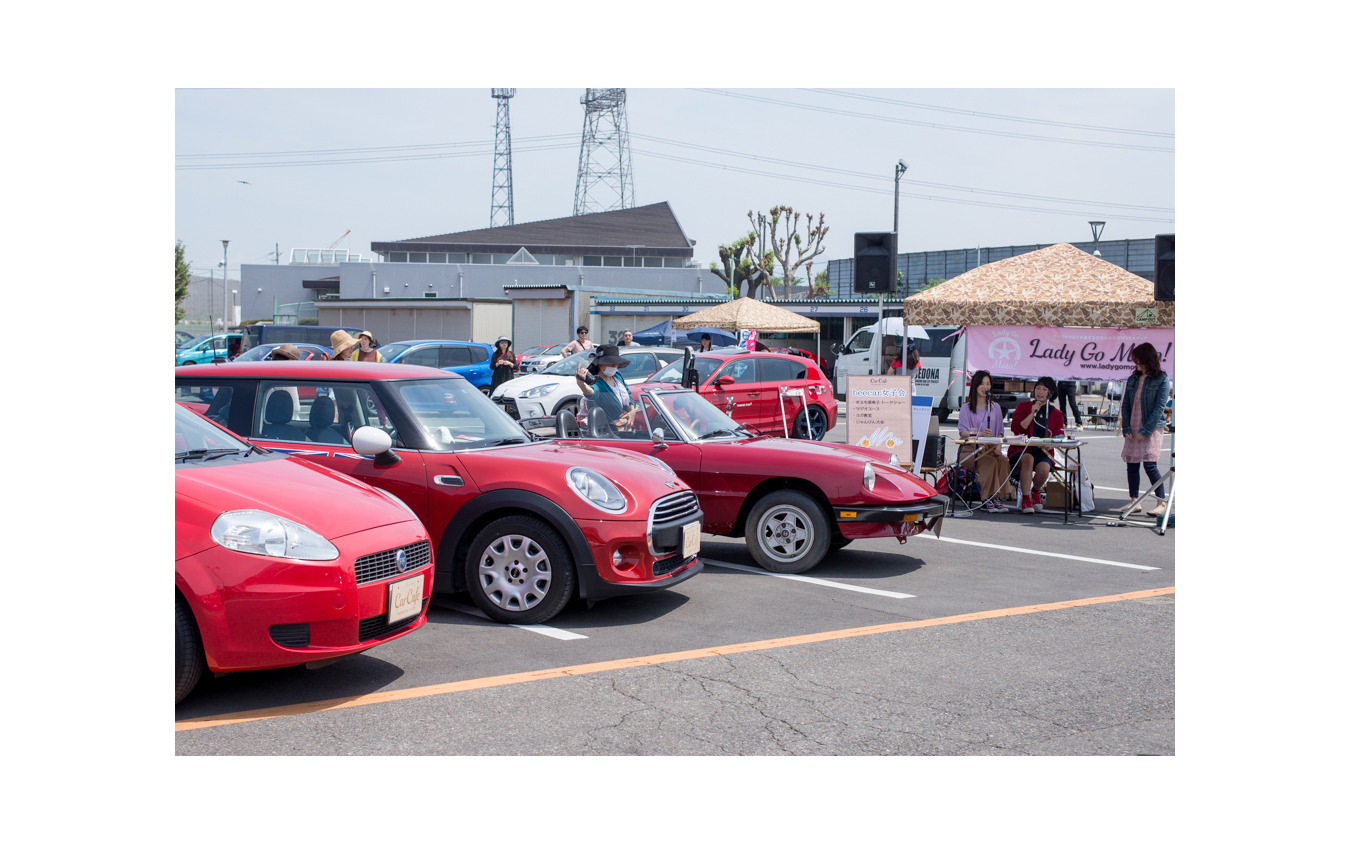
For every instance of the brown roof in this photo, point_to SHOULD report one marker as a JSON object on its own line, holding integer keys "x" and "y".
{"x": 1057, "y": 285}
{"x": 652, "y": 226}
{"x": 746, "y": 313}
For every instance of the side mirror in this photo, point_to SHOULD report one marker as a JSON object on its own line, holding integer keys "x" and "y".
{"x": 834, "y": 347}
{"x": 372, "y": 442}
{"x": 725, "y": 380}
{"x": 659, "y": 436}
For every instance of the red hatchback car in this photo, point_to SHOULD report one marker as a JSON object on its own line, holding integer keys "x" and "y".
{"x": 764, "y": 391}
{"x": 521, "y": 525}
{"x": 279, "y": 562}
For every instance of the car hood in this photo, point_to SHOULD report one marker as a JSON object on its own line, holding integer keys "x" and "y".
{"x": 541, "y": 468}
{"x": 328, "y": 503}
{"x": 816, "y": 460}
{"x": 521, "y": 383}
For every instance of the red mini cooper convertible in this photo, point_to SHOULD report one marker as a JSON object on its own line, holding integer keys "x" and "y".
{"x": 794, "y": 501}
{"x": 520, "y": 524}
{"x": 279, "y": 562}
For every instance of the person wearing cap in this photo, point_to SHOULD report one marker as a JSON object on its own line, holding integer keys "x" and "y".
{"x": 602, "y": 381}
{"x": 366, "y": 350}
{"x": 581, "y": 344}
{"x": 285, "y": 351}
{"x": 342, "y": 343}
{"x": 503, "y": 363}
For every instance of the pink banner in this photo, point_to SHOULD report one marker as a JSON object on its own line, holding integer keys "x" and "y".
{"x": 1065, "y": 354}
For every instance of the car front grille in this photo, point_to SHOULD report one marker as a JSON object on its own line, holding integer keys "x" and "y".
{"x": 674, "y": 509}
{"x": 668, "y": 565}
{"x": 377, "y": 627}
{"x": 384, "y": 564}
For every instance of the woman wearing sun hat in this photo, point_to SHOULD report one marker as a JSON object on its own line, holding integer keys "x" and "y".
{"x": 366, "y": 350}
{"x": 503, "y": 363}
{"x": 342, "y": 344}
{"x": 602, "y": 381}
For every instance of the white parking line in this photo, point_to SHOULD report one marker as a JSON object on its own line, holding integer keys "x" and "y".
{"x": 543, "y": 630}
{"x": 815, "y": 581}
{"x": 1041, "y": 553}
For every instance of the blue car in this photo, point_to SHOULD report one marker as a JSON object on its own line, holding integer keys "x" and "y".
{"x": 207, "y": 349}
{"x": 472, "y": 360}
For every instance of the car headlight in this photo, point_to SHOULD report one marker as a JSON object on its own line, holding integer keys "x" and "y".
{"x": 259, "y": 532}
{"x": 869, "y": 477}
{"x": 596, "y": 489}
{"x": 541, "y": 390}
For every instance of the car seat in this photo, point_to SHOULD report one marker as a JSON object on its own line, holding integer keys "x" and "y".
{"x": 567, "y": 426}
{"x": 280, "y": 410}
{"x": 322, "y": 414}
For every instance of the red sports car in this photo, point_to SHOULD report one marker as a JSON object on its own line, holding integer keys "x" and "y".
{"x": 792, "y": 501}
{"x": 279, "y": 562}
{"x": 519, "y": 524}
{"x": 764, "y": 391}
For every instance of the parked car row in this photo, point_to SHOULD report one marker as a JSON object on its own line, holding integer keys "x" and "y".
{"x": 365, "y": 489}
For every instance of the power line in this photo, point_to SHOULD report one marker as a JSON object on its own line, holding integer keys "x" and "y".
{"x": 565, "y": 136}
{"x": 990, "y": 115}
{"x": 770, "y": 100}
{"x": 245, "y": 165}
{"x": 887, "y": 178}
{"x": 907, "y": 195}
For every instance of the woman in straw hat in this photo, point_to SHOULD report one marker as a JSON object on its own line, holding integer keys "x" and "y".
{"x": 342, "y": 344}
{"x": 366, "y": 351}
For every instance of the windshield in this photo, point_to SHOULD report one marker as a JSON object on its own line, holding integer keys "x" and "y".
{"x": 456, "y": 415}
{"x": 568, "y": 365}
{"x": 694, "y": 416}
{"x": 196, "y": 438}
{"x": 389, "y": 351}
{"x": 670, "y": 374}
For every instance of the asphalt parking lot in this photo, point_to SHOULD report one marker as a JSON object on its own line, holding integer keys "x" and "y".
{"x": 1011, "y": 634}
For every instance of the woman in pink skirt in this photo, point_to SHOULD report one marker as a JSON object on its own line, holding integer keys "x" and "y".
{"x": 1141, "y": 414}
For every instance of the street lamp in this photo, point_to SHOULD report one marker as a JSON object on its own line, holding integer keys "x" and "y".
{"x": 1097, "y": 226}
{"x": 225, "y": 271}
{"x": 900, "y": 169}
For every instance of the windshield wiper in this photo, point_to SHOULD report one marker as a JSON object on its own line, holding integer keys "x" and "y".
{"x": 503, "y": 441}
{"x": 211, "y": 453}
{"x": 718, "y": 433}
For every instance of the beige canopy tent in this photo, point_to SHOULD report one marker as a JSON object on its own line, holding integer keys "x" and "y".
{"x": 745, "y": 313}
{"x": 1058, "y": 285}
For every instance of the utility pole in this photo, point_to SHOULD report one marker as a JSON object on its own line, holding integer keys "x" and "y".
{"x": 503, "y": 205}
{"x": 224, "y": 272}
{"x": 605, "y": 168}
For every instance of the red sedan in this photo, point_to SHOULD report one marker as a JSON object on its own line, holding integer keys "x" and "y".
{"x": 794, "y": 502}
{"x": 764, "y": 391}
{"x": 279, "y": 562}
{"x": 520, "y": 525}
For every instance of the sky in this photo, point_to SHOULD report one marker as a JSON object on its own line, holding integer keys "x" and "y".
{"x": 281, "y": 168}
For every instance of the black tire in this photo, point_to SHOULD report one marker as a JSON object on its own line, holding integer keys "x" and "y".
{"x": 519, "y": 571}
{"x": 819, "y": 419}
{"x": 788, "y": 532}
{"x": 188, "y": 363}
{"x": 188, "y": 658}
{"x": 487, "y": 391}
{"x": 573, "y": 405}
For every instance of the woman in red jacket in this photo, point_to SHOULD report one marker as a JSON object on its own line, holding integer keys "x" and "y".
{"x": 1035, "y": 418}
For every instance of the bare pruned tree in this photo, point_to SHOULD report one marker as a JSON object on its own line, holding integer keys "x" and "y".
{"x": 784, "y": 243}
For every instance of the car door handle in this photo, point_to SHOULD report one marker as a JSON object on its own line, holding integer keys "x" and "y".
{"x": 449, "y": 480}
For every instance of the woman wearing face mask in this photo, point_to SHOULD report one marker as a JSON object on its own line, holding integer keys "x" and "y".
{"x": 982, "y": 417}
{"x": 602, "y": 381}
{"x": 1035, "y": 418}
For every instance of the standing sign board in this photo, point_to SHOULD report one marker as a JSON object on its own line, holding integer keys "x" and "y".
{"x": 879, "y": 414}
{"x": 747, "y": 339}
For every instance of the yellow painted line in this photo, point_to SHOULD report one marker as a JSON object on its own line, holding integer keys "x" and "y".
{"x": 639, "y": 662}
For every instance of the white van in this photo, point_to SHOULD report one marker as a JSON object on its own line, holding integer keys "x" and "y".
{"x": 934, "y": 376}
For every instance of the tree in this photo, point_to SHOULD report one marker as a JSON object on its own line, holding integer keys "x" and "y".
{"x": 783, "y": 239}
{"x": 182, "y": 274}
{"x": 734, "y": 266}
{"x": 933, "y": 282}
{"x": 820, "y": 284}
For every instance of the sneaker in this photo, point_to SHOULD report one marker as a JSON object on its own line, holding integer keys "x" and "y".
{"x": 1037, "y": 500}
{"x": 1159, "y": 509}
{"x": 993, "y": 505}
{"x": 1027, "y": 506}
